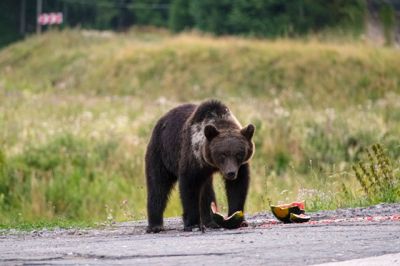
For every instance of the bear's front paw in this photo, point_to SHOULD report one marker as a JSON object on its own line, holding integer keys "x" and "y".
{"x": 155, "y": 229}
{"x": 190, "y": 228}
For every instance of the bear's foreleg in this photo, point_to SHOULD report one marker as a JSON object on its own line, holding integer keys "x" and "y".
{"x": 236, "y": 190}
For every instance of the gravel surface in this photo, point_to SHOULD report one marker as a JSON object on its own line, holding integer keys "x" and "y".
{"x": 339, "y": 235}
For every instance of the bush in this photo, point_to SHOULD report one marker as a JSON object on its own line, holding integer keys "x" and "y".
{"x": 378, "y": 177}
{"x": 179, "y": 16}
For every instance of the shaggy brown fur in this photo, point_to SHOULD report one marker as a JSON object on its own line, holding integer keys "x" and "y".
{"x": 189, "y": 144}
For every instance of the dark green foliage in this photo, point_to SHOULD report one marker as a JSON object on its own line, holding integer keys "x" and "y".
{"x": 179, "y": 16}
{"x": 260, "y": 17}
{"x": 388, "y": 20}
{"x": 276, "y": 18}
{"x": 102, "y": 16}
{"x": 377, "y": 176}
{"x": 271, "y": 18}
{"x": 9, "y": 24}
{"x": 211, "y": 16}
{"x": 153, "y": 12}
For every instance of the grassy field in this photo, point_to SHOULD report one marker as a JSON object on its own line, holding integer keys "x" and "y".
{"x": 77, "y": 110}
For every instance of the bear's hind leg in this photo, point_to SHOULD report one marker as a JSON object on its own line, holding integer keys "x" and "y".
{"x": 159, "y": 186}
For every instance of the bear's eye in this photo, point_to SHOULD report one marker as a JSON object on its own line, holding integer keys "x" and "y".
{"x": 239, "y": 156}
{"x": 222, "y": 156}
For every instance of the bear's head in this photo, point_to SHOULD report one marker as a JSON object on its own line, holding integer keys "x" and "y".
{"x": 227, "y": 150}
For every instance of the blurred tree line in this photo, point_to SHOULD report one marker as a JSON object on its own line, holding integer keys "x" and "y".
{"x": 266, "y": 17}
{"x": 269, "y": 18}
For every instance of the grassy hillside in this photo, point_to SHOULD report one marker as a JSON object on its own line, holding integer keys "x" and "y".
{"x": 193, "y": 67}
{"x": 77, "y": 109}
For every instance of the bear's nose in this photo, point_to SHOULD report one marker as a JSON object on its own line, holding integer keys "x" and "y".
{"x": 231, "y": 175}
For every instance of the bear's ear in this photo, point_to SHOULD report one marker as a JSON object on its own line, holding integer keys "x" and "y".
{"x": 248, "y": 131}
{"x": 210, "y": 132}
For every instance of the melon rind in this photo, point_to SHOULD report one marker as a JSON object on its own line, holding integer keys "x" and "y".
{"x": 295, "y": 218}
{"x": 282, "y": 212}
{"x": 232, "y": 222}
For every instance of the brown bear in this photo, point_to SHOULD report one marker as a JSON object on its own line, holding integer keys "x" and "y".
{"x": 189, "y": 144}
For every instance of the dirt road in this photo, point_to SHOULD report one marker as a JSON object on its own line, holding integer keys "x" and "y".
{"x": 331, "y": 236}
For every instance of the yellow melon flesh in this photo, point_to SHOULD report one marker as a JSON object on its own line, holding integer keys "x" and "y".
{"x": 282, "y": 212}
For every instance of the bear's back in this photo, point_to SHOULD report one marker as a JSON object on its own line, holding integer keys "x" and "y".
{"x": 167, "y": 135}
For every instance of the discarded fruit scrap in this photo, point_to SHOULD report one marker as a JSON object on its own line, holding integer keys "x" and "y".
{"x": 299, "y": 218}
{"x": 290, "y": 213}
{"x": 234, "y": 221}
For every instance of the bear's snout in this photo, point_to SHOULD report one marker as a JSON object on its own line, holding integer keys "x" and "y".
{"x": 230, "y": 169}
{"x": 231, "y": 175}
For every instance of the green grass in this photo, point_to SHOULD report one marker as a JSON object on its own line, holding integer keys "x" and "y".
{"x": 23, "y": 225}
{"x": 77, "y": 109}
{"x": 378, "y": 177}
